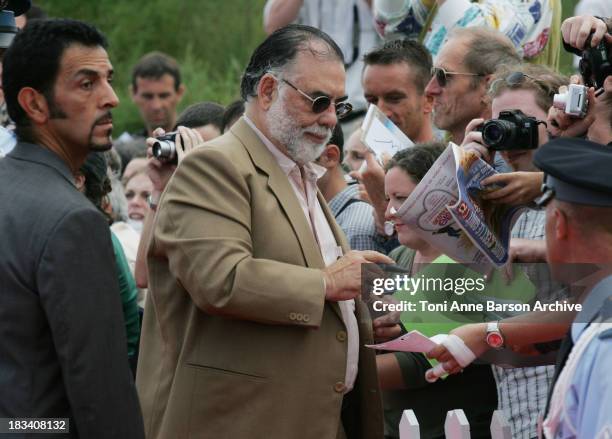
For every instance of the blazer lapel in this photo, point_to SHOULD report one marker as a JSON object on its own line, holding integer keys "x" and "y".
{"x": 282, "y": 190}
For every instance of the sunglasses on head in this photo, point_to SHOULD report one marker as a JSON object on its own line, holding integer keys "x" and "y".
{"x": 322, "y": 103}
{"x": 515, "y": 79}
{"x": 442, "y": 76}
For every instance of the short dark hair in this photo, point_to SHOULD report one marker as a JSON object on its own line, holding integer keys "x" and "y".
{"x": 337, "y": 138}
{"x": 413, "y": 53}
{"x": 279, "y": 50}
{"x": 33, "y": 60}
{"x": 231, "y": 114}
{"x": 154, "y": 65}
{"x": 200, "y": 114}
{"x": 417, "y": 160}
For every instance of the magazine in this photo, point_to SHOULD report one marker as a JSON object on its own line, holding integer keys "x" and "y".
{"x": 446, "y": 209}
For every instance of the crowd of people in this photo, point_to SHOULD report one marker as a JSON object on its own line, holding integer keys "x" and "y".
{"x": 202, "y": 276}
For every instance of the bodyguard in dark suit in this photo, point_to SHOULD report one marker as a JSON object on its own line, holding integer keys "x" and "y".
{"x": 62, "y": 339}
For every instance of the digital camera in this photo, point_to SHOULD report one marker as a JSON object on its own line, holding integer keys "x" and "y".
{"x": 595, "y": 65}
{"x": 511, "y": 130}
{"x": 574, "y": 101}
{"x": 164, "y": 148}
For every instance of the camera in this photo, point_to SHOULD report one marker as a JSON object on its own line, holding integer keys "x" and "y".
{"x": 595, "y": 65}
{"x": 574, "y": 102}
{"x": 164, "y": 148}
{"x": 9, "y": 9}
{"x": 512, "y": 130}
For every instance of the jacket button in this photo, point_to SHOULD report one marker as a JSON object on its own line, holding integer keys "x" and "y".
{"x": 292, "y": 316}
{"x": 339, "y": 387}
{"x": 341, "y": 336}
{"x": 299, "y": 317}
{"x": 306, "y": 318}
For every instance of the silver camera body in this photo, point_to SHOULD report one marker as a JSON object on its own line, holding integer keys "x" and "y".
{"x": 574, "y": 102}
{"x": 164, "y": 148}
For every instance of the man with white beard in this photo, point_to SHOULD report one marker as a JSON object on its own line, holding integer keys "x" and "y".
{"x": 254, "y": 326}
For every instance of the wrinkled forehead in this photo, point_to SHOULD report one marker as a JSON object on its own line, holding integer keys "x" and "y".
{"x": 78, "y": 58}
{"x": 452, "y": 53}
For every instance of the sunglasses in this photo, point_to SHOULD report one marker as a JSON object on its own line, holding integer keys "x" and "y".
{"x": 322, "y": 103}
{"x": 442, "y": 76}
{"x": 515, "y": 79}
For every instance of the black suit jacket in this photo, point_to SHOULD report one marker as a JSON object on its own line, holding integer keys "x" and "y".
{"x": 62, "y": 338}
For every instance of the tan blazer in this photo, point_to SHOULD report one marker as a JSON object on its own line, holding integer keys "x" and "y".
{"x": 237, "y": 340}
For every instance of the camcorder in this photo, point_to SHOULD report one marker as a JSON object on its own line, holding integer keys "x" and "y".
{"x": 164, "y": 148}
{"x": 513, "y": 129}
{"x": 595, "y": 64}
{"x": 573, "y": 102}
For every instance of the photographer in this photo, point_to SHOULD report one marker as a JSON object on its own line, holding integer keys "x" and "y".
{"x": 160, "y": 172}
{"x": 530, "y": 89}
{"x": 596, "y": 125}
{"x": 576, "y": 31}
{"x": 590, "y": 38}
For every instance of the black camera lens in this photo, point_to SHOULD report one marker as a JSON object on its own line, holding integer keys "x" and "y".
{"x": 496, "y": 133}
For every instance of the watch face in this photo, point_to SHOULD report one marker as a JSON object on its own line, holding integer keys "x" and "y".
{"x": 495, "y": 340}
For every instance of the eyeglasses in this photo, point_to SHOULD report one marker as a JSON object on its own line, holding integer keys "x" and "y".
{"x": 442, "y": 76}
{"x": 322, "y": 103}
{"x": 515, "y": 79}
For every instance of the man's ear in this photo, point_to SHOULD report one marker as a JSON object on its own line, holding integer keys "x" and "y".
{"x": 34, "y": 104}
{"x": 267, "y": 91}
{"x": 79, "y": 181}
{"x": 560, "y": 229}
{"x": 330, "y": 158}
{"x": 485, "y": 84}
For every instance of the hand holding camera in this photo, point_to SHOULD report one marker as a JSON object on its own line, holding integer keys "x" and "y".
{"x": 561, "y": 122}
{"x": 576, "y": 31}
{"x": 573, "y": 100}
{"x": 165, "y": 151}
{"x": 512, "y": 130}
{"x": 474, "y": 143}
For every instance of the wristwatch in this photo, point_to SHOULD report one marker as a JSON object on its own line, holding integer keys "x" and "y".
{"x": 494, "y": 337}
{"x": 152, "y": 203}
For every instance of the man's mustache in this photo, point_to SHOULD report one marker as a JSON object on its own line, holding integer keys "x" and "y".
{"x": 104, "y": 119}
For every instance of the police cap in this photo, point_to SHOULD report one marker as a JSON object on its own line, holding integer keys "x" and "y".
{"x": 576, "y": 171}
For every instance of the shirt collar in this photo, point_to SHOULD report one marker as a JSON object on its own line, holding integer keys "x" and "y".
{"x": 591, "y": 306}
{"x": 313, "y": 171}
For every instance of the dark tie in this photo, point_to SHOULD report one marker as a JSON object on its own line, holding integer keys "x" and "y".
{"x": 564, "y": 350}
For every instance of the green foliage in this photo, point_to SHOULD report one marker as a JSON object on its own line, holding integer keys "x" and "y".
{"x": 211, "y": 40}
{"x": 565, "y": 63}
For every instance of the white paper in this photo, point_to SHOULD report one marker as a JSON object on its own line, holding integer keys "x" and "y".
{"x": 381, "y": 135}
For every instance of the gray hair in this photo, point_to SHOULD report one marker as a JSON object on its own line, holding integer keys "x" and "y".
{"x": 278, "y": 52}
{"x": 487, "y": 50}
{"x": 117, "y": 198}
